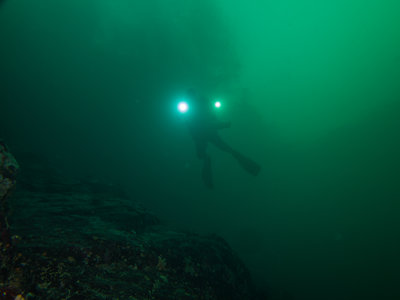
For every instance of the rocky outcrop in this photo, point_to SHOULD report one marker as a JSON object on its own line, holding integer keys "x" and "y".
{"x": 85, "y": 239}
{"x": 8, "y": 172}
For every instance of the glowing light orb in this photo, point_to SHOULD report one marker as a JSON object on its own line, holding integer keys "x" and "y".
{"x": 183, "y": 107}
{"x": 217, "y": 104}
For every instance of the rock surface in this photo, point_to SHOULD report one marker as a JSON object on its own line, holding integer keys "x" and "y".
{"x": 8, "y": 171}
{"x": 84, "y": 239}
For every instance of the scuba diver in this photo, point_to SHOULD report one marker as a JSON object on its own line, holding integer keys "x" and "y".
{"x": 203, "y": 126}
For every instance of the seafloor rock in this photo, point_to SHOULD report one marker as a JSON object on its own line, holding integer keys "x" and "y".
{"x": 82, "y": 239}
{"x": 8, "y": 171}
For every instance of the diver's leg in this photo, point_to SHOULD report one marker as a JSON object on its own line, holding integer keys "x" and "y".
{"x": 206, "y": 173}
{"x": 246, "y": 163}
{"x": 201, "y": 148}
{"x": 222, "y": 145}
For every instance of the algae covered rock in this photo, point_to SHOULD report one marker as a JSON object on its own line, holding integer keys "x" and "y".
{"x": 86, "y": 239}
{"x": 10, "y": 277}
{"x": 8, "y": 171}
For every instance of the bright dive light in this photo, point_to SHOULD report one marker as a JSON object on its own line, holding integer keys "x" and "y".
{"x": 183, "y": 107}
{"x": 217, "y": 104}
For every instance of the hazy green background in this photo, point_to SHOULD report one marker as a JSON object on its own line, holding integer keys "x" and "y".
{"x": 312, "y": 90}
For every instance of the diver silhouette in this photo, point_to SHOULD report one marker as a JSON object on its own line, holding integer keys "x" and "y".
{"x": 203, "y": 127}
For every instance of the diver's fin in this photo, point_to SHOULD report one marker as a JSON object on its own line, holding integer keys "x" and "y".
{"x": 246, "y": 163}
{"x": 207, "y": 173}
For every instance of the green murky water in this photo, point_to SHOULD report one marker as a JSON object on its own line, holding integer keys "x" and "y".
{"x": 312, "y": 91}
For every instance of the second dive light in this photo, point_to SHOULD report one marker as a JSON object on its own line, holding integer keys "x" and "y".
{"x": 217, "y": 104}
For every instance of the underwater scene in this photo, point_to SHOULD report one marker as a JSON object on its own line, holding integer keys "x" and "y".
{"x": 200, "y": 149}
